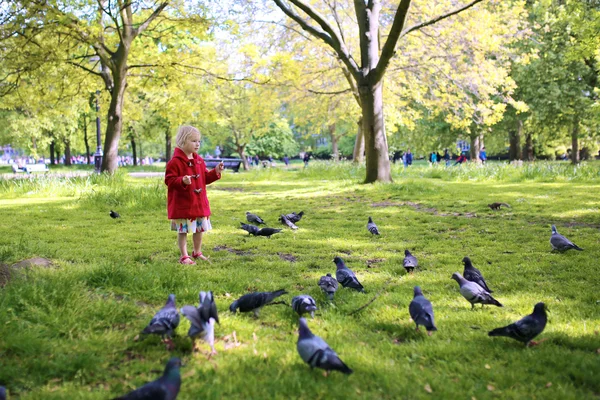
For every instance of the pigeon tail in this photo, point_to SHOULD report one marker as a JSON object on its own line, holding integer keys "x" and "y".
{"x": 504, "y": 331}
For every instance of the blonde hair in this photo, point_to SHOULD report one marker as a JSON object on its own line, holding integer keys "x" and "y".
{"x": 184, "y": 132}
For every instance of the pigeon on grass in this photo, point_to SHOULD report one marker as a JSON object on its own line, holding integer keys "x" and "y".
{"x": 202, "y": 320}
{"x": 525, "y": 329}
{"x": 303, "y": 304}
{"x": 410, "y": 262}
{"x": 497, "y": 206}
{"x": 251, "y": 229}
{"x": 253, "y": 218}
{"x": 268, "y": 232}
{"x": 317, "y": 353}
{"x": 474, "y": 293}
{"x": 164, "y": 322}
{"x": 345, "y": 276}
{"x": 286, "y": 221}
{"x": 164, "y": 388}
{"x": 561, "y": 243}
{"x": 372, "y": 227}
{"x": 421, "y": 311}
{"x": 255, "y": 301}
{"x": 114, "y": 214}
{"x": 328, "y": 285}
{"x": 474, "y": 275}
{"x": 293, "y": 217}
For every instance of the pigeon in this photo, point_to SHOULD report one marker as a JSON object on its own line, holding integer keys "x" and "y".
{"x": 497, "y": 206}
{"x": 114, "y": 214}
{"x": 345, "y": 276}
{"x": 164, "y": 388}
{"x": 561, "y": 243}
{"x": 267, "y": 232}
{"x": 421, "y": 311}
{"x": 410, "y": 262}
{"x": 253, "y": 218}
{"x": 286, "y": 221}
{"x": 304, "y": 304}
{"x": 295, "y": 217}
{"x": 202, "y": 320}
{"x": 2, "y": 393}
{"x": 474, "y": 275}
{"x": 525, "y": 329}
{"x": 316, "y": 353}
{"x": 255, "y": 301}
{"x": 251, "y": 229}
{"x": 474, "y": 293}
{"x": 372, "y": 227}
{"x": 329, "y": 285}
{"x": 164, "y": 322}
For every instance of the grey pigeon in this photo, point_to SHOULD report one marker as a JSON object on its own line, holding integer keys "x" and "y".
{"x": 329, "y": 285}
{"x": 410, "y": 262}
{"x": 345, "y": 276}
{"x": 316, "y": 352}
{"x": 474, "y": 293}
{"x": 421, "y": 311}
{"x": 164, "y": 388}
{"x": 286, "y": 221}
{"x": 202, "y": 320}
{"x": 474, "y": 275}
{"x": 561, "y": 243}
{"x": 267, "y": 232}
{"x": 253, "y": 218}
{"x": 372, "y": 227}
{"x": 164, "y": 322}
{"x": 251, "y": 229}
{"x": 525, "y": 329}
{"x": 114, "y": 214}
{"x": 293, "y": 217}
{"x": 2, "y": 393}
{"x": 255, "y": 301}
{"x": 303, "y": 304}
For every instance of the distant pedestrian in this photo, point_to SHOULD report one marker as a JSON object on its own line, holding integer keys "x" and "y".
{"x": 397, "y": 156}
{"x": 409, "y": 157}
{"x": 256, "y": 160}
{"x": 447, "y": 157}
{"x": 483, "y": 155}
{"x": 306, "y": 159}
{"x": 286, "y": 160}
{"x": 461, "y": 159}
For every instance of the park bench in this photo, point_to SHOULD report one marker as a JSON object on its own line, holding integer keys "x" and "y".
{"x": 229, "y": 163}
{"x": 29, "y": 168}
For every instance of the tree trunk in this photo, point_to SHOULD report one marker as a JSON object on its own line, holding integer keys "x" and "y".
{"x": 133, "y": 150}
{"x": 241, "y": 151}
{"x": 575, "y": 143}
{"x": 168, "y": 144}
{"x": 52, "y": 148}
{"x": 475, "y": 148}
{"x": 86, "y": 140}
{"x": 114, "y": 125}
{"x": 359, "y": 145}
{"x": 67, "y": 152}
{"x": 334, "y": 142}
{"x": 378, "y": 161}
{"x": 514, "y": 152}
{"x": 529, "y": 147}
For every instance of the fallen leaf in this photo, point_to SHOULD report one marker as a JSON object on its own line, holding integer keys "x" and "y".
{"x": 428, "y": 388}
{"x": 227, "y": 295}
{"x": 473, "y": 398}
{"x": 548, "y": 384}
{"x": 487, "y": 366}
{"x": 136, "y": 338}
{"x": 490, "y": 388}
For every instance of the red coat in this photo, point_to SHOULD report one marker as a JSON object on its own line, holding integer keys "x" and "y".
{"x": 188, "y": 201}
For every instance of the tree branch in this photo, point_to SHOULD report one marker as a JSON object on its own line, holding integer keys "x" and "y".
{"x": 389, "y": 47}
{"x": 438, "y": 18}
{"x": 151, "y": 18}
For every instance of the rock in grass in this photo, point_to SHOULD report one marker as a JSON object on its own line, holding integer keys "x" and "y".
{"x": 474, "y": 293}
{"x": 255, "y": 301}
{"x": 561, "y": 243}
{"x": 317, "y": 353}
{"x": 165, "y": 321}
{"x": 164, "y": 388}
{"x": 371, "y": 227}
{"x": 202, "y": 320}
{"x": 253, "y": 218}
{"x": 525, "y": 329}
{"x": 303, "y": 304}
{"x": 251, "y": 229}
{"x": 114, "y": 214}
{"x": 410, "y": 262}
{"x": 268, "y": 232}
{"x": 421, "y": 311}
{"x": 345, "y": 276}
{"x": 328, "y": 285}
{"x": 474, "y": 275}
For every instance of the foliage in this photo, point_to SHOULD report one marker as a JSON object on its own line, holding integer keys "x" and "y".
{"x": 275, "y": 140}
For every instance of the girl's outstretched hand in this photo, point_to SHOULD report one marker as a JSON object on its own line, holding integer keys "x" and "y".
{"x": 220, "y": 167}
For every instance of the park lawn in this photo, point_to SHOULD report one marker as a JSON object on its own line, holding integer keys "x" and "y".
{"x": 67, "y": 332}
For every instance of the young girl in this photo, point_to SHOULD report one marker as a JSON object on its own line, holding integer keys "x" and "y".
{"x": 187, "y": 203}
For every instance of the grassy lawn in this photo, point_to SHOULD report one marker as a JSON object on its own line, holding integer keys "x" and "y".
{"x": 67, "y": 332}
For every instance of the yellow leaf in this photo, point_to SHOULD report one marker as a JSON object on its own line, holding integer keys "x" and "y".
{"x": 428, "y": 388}
{"x": 490, "y": 388}
{"x": 487, "y": 366}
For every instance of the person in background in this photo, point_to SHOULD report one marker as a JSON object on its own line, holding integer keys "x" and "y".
{"x": 483, "y": 155}
{"x": 306, "y": 159}
{"x": 462, "y": 158}
{"x": 447, "y": 157}
{"x": 409, "y": 157}
{"x": 286, "y": 160}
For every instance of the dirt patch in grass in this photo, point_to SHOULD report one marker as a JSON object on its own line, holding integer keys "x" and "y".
{"x": 6, "y": 270}
{"x": 420, "y": 207}
{"x": 231, "y": 189}
{"x": 234, "y": 251}
{"x": 373, "y": 262}
{"x": 287, "y": 257}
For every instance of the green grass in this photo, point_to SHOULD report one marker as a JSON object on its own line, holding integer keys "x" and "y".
{"x": 67, "y": 332}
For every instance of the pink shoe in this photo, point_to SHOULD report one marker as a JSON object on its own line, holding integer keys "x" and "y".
{"x": 199, "y": 255}
{"x": 186, "y": 260}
